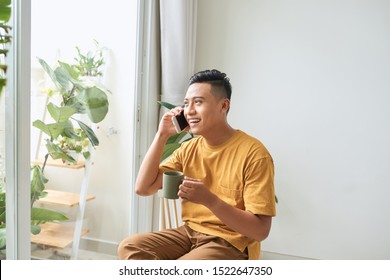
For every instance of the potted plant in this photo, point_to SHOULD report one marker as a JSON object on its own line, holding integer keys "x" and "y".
{"x": 67, "y": 131}
{"x": 80, "y": 99}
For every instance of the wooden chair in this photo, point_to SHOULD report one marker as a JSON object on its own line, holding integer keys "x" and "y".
{"x": 169, "y": 213}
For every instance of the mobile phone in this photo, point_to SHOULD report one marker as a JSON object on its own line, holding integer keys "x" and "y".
{"x": 179, "y": 122}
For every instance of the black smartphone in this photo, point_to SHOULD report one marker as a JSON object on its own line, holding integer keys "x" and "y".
{"x": 179, "y": 122}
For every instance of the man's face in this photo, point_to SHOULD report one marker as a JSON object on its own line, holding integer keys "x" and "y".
{"x": 203, "y": 110}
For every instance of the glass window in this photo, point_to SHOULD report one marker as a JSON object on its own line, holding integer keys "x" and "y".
{"x": 71, "y": 40}
{"x": 2, "y": 177}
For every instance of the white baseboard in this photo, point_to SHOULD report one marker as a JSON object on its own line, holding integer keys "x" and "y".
{"x": 265, "y": 255}
{"x": 99, "y": 246}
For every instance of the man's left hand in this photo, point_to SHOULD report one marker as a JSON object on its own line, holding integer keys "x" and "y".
{"x": 195, "y": 191}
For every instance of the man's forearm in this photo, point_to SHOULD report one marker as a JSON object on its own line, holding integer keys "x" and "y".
{"x": 244, "y": 222}
{"x": 148, "y": 181}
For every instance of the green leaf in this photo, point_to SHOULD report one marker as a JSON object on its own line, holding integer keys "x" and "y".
{"x": 50, "y": 72}
{"x": 4, "y": 39}
{"x": 57, "y": 129}
{"x": 56, "y": 152}
{"x": 68, "y": 77}
{"x": 4, "y": 3}
{"x": 86, "y": 155}
{"x": 73, "y": 74}
{"x": 63, "y": 79}
{"x": 5, "y": 11}
{"x": 77, "y": 106}
{"x": 89, "y": 132}
{"x": 5, "y": 27}
{"x": 2, "y": 194}
{"x": 2, "y": 238}
{"x": 60, "y": 114}
{"x": 3, "y": 82}
{"x": 69, "y": 132}
{"x": 177, "y": 137}
{"x": 95, "y": 102}
{"x": 2, "y": 208}
{"x": 52, "y": 129}
{"x": 2, "y": 216}
{"x": 167, "y": 105}
{"x": 40, "y": 215}
{"x": 38, "y": 180}
{"x": 42, "y": 126}
{"x": 169, "y": 149}
{"x": 35, "y": 229}
{"x": 37, "y": 184}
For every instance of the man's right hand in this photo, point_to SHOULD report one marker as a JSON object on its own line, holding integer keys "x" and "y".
{"x": 166, "y": 127}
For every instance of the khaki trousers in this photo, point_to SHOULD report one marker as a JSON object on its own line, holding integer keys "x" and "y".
{"x": 181, "y": 243}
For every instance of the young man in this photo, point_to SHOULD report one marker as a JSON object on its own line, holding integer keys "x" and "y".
{"x": 227, "y": 193}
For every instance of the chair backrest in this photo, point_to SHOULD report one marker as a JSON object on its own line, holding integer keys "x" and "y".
{"x": 169, "y": 213}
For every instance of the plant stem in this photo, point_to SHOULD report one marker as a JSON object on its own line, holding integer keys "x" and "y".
{"x": 71, "y": 94}
{"x": 44, "y": 162}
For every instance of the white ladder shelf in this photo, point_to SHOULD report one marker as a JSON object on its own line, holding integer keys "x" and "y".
{"x": 56, "y": 234}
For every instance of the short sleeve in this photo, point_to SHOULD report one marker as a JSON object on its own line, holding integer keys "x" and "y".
{"x": 173, "y": 163}
{"x": 259, "y": 193}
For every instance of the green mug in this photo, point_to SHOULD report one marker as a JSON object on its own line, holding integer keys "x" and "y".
{"x": 171, "y": 183}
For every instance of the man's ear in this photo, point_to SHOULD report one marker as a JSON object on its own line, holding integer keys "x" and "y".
{"x": 226, "y": 104}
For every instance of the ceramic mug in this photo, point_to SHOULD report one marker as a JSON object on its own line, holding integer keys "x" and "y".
{"x": 171, "y": 183}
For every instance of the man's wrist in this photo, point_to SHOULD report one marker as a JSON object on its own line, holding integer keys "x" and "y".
{"x": 214, "y": 202}
{"x": 161, "y": 136}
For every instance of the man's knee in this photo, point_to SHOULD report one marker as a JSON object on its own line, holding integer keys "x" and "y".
{"x": 131, "y": 248}
{"x": 124, "y": 248}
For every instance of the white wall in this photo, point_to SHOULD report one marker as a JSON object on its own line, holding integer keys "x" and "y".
{"x": 59, "y": 26}
{"x": 311, "y": 80}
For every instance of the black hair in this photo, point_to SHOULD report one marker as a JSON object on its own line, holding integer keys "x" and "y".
{"x": 215, "y": 78}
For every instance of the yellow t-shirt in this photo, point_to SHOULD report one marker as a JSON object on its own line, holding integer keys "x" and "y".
{"x": 240, "y": 171}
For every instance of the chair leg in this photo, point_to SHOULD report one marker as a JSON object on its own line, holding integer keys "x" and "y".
{"x": 169, "y": 213}
{"x": 176, "y": 217}
{"x": 163, "y": 222}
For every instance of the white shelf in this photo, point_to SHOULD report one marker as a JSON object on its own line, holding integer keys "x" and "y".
{"x": 55, "y": 235}
{"x": 63, "y": 198}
